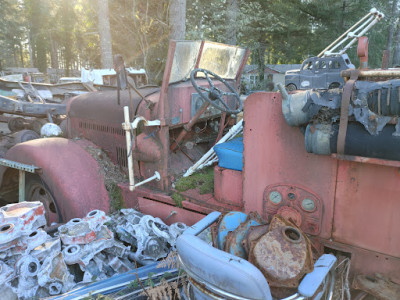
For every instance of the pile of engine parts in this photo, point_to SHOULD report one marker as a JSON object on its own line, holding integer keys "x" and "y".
{"x": 35, "y": 264}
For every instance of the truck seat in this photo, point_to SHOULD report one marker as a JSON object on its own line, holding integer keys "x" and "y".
{"x": 230, "y": 154}
{"x": 215, "y": 274}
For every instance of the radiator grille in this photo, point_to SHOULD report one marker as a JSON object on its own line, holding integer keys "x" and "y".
{"x": 102, "y": 128}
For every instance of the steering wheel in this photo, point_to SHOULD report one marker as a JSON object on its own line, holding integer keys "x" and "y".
{"x": 213, "y": 95}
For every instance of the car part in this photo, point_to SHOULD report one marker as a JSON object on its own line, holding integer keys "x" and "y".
{"x": 283, "y": 254}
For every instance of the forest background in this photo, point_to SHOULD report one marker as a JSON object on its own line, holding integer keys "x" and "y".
{"x": 70, "y": 34}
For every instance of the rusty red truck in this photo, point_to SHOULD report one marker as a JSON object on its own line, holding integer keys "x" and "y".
{"x": 342, "y": 197}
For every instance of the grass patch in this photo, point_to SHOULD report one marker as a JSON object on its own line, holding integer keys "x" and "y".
{"x": 178, "y": 199}
{"x": 203, "y": 180}
{"x": 116, "y": 199}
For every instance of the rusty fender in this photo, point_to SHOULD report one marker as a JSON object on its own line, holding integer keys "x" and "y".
{"x": 72, "y": 175}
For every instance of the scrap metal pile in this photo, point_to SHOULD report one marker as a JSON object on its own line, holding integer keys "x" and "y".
{"x": 280, "y": 250}
{"x": 36, "y": 264}
{"x": 369, "y": 109}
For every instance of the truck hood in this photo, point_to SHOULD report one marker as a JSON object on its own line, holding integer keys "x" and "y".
{"x": 103, "y": 106}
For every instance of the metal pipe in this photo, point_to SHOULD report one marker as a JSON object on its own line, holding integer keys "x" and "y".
{"x": 49, "y": 117}
{"x": 345, "y": 34}
{"x": 139, "y": 119}
{"x": 376, "y": 19}
{"x": 373, "y": 73}
{"x": 155, "y": 176}
{"x": 189, "y": 125}
{"x": 127, "y": 127}
{"x": 349, "y": 35}
{"x": 332, "y": 286}
{"x": 284, "y": 93}
{"x": 231, "y": 133}
{"x": 294, "y": 296}
{"x": 21, "y": 189}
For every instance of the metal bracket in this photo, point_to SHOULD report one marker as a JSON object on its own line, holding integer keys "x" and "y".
{"x": 344, "y": 110}
{"x": 127, "y": 126}
{"x": 22, "y": 169}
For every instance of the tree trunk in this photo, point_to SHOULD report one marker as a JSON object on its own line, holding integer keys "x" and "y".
{"x": 231, "y": 17}
{"x": 134, "y": 10}
{"x": 261, "y": 60}
{"x": 30, "y": 49}
{"x": 21, "y": 54}
{"x": 396, "y": 54}
{"x": 41, "y": 57}
{"x": 177, "y": 19}
{"x": 105, "y": 35}
{"x": 53, "y": 53}
{"x": 392, "y": 25}
{"x": 343, "y": 14}
{"x": 15, "y": 56}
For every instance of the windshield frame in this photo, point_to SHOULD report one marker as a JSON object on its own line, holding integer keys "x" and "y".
{"x": 221, "y": 59}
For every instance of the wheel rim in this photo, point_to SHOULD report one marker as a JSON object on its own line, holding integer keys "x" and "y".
{"x": 37, "y": 192}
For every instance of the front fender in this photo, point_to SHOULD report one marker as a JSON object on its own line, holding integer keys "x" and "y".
{"x": 73, "y": 176}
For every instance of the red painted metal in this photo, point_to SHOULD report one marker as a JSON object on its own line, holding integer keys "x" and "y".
{"x": 291, "y": 206}
{"x": 62, "y": 162}
{"x": 168, "y": 213}
{"x": 366, "y": 207}
{"x": 368, "y": 160}
{"x": 358, "y": 197}
{"x": 362, "y": 52}
{"x": 241, "y": 68}
{"x": 274, "y": 153}
{"x": 228, "y": 186}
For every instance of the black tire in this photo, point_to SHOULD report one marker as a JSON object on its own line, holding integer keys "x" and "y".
{"x": 36, "y": 190}
{"x": 291, "y": 87}
{"x": 334, "y": 85}
{"x": 16, "y": 124}
{"x": 24, "y": 136}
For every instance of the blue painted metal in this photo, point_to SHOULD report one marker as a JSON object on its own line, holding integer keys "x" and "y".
{"x": 220, "y": 272}
{"x": 310, "y": 283}
{"x": 230, "y": 154}
{"x": 233, "y": 242}
{"x": 203, "y": 223}
{"x": 115, "y": 283}
{"x": 229, "y": 222}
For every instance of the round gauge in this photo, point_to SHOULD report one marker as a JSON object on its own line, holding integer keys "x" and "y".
{"x": 275, "y": 197}
{"x": 308, "y": 204}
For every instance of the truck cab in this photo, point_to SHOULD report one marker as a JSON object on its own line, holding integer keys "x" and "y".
{"x": 318, "y": 73}
{"x": 345, "y": 204}
{"x": 187, "y": 129}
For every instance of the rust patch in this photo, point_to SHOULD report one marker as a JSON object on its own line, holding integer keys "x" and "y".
{"x": 283, "y": 254}
{"x": 234, "y": 239}
{"x": 254, "y": 233}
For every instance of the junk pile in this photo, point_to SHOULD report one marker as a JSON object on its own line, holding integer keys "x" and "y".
{"x": 370, "y": 111}
{"x": 280, "y": 250}
{"x": 35, "y": 264}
